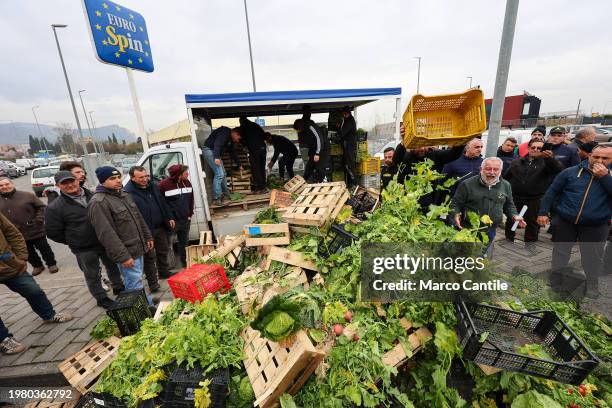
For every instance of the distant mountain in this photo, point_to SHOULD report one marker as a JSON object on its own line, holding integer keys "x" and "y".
{"x": 18, "y": 132}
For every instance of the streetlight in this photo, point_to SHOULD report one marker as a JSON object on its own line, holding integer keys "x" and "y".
{"x": 470, "y": 78}
{"x": 418, "y": 73}
{"x": 246, "y": 14}
{"x": 93, "y": 127}
{"x": 42, "y": 139}
{"x": 87, "y": 120}
{"x": 76, "y": 116}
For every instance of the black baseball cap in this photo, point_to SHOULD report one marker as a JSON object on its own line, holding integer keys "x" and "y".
{"x": 63, "y": 175}
{"x": 557, "y": 129}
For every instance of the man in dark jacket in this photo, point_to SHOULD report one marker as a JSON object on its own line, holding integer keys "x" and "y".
{"x": 585, "y": 135}
{"x": 13, "y": 274}
{"x": 582, "y": 200}
{"x": 289, "y": 152}
{"x": 468, "y": 164}
{"x": 66, "y": 222}
{"x": 157, "y": 215}
{"x": 562, "y": 152}
{"x": 529, "y": 178}
{"x": 220, "y": 140}
{"x": 506, "y": 153}
{"x": 348, "y": 138}
{"x": 254, "y": 139}
{"x": 27, "y": 213}
{"x": 388, "y": 170}
{"x": 318, "y": 166}
{"x": 178, "y": 193}
{"x": 119, "y": 226}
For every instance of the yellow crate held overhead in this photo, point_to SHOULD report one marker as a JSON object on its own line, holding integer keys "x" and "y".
{"x": 451, "y": 119}
{"x": 369, "y": 166}
{"x": 362, "y": 146}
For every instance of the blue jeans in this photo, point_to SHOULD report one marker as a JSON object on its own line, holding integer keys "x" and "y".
{"x": 132, "y": 277}
{"x": 27, "y": 287}
{"x": 219, "y": 180}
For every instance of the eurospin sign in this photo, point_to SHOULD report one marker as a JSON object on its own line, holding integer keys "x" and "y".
{"x": 119, "y": 35}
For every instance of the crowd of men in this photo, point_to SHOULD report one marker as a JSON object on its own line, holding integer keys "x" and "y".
{"x": 561, "y": 183}
{"x": 127, "y": 229}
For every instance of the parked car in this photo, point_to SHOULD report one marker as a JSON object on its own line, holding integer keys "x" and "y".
{"x": 603, "y": 133}
{"x": 42, "y": 177}
{"x": 9, "y": 171}
{"x": 27, "y": 163}
{"x": 20, "y": 170}
{"x": 128, "y": 162}
{"x": 40, "y": 162}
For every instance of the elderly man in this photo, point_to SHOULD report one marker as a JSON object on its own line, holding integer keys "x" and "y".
{"x": 119, "y": 226}
{"x": 487, "y": 194}
{"x": 582, "y": 200}
{"x": 586, "y": 135}
{"x": 27, "y": 213}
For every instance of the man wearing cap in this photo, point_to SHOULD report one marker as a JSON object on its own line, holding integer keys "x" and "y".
{"x": 538, "y": 133}
{"x": 66, "y": 222}
{"x": 562, "y": 152}
{"x": 119, "y": 226}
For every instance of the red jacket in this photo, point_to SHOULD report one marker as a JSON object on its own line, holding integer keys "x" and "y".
{"x": 178, "y": 194}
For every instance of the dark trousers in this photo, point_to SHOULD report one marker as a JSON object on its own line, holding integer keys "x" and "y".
{"x": 257, "y": 161}
{"x": 531, "y": 216}
{"x": 182, "y": 237}
{"x": 350, "y": 158}
{"x": 606, "y": 265}
{"x": 27, "y": 287}
{"x": 156, "y": 260}
{"x": 591, "y": 240}
{"x": 318, "y": 171}
{"x": 286, "y": 162}
{"x": 45, "y": 250}
{"x": 89, "y": 263}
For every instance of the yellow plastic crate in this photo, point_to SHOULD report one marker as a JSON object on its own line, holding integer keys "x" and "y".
{"x": 451, "y": 119}
{"x": 369, "y": 166}
{"x": 336, "y": 150}
{"x": 362, "y": 147}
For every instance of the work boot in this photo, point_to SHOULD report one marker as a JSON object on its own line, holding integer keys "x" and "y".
{"x": 217, "y": 202}
{"x": 38, "y": 270}
{"x": 53, "y": 269}
{"x": 11, "y": 346}
{"x": 106, "y": 303}
{"x": 60, "y": 318}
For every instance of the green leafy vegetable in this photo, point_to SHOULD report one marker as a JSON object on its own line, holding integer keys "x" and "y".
{"x": 278, "y": 319}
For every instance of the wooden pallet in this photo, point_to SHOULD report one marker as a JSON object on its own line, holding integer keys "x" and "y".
{"x": 295, "y": 185}
{"x": 230, "y": 248}
{"x": 274, "y": 370}
{"x": 280, "y": 199}
{"x": 317, "y": 204}
{"x": 52, "y": 403}
{"x": 254, "y": 232}
{"x": 290, "y": 258}
{"x": 83, "y": 368}
{"x": 249, "y": 202}
{"x": 417, "y": 338}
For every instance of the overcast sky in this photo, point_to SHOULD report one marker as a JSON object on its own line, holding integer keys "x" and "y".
{"x": 562, "y": 52}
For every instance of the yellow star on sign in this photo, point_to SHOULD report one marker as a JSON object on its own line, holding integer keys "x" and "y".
{"x": 118, "y": 8}
{"x": 141, "y": 29}
{"x": 147, "y": 42}
{"x": 98, "y": 27}
{"x": 104, "y": 42}
{"x": 98, "y": 13}
{"x": 131, "y": 16}
{"x": 140, "y": 60}
{"x": 105, "y": 5}
{"x": 147, "y": 54}
{"x": 117, "y": 55}
{"x": 130, "y": 61}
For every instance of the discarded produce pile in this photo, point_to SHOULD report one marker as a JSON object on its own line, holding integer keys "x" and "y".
{"x": 293, "y": 331}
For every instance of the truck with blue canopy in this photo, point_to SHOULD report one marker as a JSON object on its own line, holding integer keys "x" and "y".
{"x": 206, "y": 111}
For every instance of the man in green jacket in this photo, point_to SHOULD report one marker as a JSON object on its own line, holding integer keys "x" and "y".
{"x": 485, "y": 194}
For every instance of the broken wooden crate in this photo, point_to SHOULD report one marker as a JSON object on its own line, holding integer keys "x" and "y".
{"x": 230, "y": 248}
{"x": 416, "y": 339}
{"x": 198, "y": 252}
{"x": 83, "y": 368}
{"x": 259, "y": 234}
{"x": 274, "y": 370}
{"x": 295, "y": 185}
{"x": 280, "y": 199}
{"x": 290, "y": 258}
{"x": 317, "y": 204}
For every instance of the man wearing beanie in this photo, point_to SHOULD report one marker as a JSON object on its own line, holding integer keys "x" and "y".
{"x": 538, "y": 132}
{"x": 119, "y": 226}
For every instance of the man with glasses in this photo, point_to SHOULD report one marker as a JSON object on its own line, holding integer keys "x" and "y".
{"x": 66, "y": 222}
{"x": 529, "y": 178}
{"x": 157, "y": 215}
{"x": 120, "y": 228}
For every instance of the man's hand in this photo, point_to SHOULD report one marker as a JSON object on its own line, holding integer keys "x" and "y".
{"x": 458, "y": 221}
{"x": 599, "y": 170}
{"x": 543, "y": 220}
{"x": 402, "y": 129}
{"x": 316, "y": 158}
{"x": 150, "y": 245}
{"x": 128, "y": 264}
{"x": 172, "y": 224}
{"x": 521, "y": 221}
{"x": 547, "y": 154}
{"x": 218, "y": 162}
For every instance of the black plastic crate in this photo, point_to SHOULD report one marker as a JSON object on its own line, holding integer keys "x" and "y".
{"x": 361, "y": 203}
{"x": 337, "y": 238}
{"x": 182, "y": 383}
{"x": 508, "y": 330}
{"x": 94, "y": 400}
{"x": 130, "y": 309}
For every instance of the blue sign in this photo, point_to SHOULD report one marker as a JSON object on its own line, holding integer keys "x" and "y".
{"x": 119, "y": 35}
{"x": 261, "y": 122}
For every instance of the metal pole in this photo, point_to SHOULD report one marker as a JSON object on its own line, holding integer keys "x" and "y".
{"x": 139, "y": 121}
{"x": 42, "y": 139}
{"x": 76, "y": 116}
{"x": 470, "y": 78}
{"x": 501, "y": 78}
{"x": 246, "y": 14}
{"x": 578, "y": 110}
{"x": 93, "y": 141}
{"x": 93, "y": 127}
{"x": 418, "y": 74}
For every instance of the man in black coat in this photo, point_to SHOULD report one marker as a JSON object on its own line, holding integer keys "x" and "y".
{"x": 388, "y": 170}
{"x": 318, "y": 166}
{"x": 157, "y": 215}
{"x": 253, "y": 136}
{"x": 289, "y": 152}
{"x": 66, "y": 222}
{"x": 348, "y": 138}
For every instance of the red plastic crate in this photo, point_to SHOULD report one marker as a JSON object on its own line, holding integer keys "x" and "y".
{"x": 195, "y": 282}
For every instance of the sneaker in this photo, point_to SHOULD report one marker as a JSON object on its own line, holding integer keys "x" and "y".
{"x": 11, "y": 346}
{"x": 106, "y": 303}
{"x": 38, "y": 270}
{"x": 217, "y": 202}
{"x": 53, "y": 269}
{"x": 60, "y": 318}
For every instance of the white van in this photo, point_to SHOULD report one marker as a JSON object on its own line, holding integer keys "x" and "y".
{"x": 28, "y": 164}
{"x": 42, "y": 177}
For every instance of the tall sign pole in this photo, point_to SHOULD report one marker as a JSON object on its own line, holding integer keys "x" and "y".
{"x": 501, "y": 78}
{"x": 246, "y": 13}
{"x": 139, "y": 121}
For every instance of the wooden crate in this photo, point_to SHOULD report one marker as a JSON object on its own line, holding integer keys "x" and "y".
{"x": 290, "y": 258}
{"x": 280, "y": 199}
{"x": 317, "y": 204}
{"x": 417, "y": 338}
{"x": 83, "y": 368}
{"x": 161, "y": 308}
{"x": 230, "y": 248}
{"x": 253, "y": 234}
{"x": 206, "y": 238}
{"x": 196, "y": 252}
{"x": 295, "y": 185}
{"x": 274, "y": 370}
